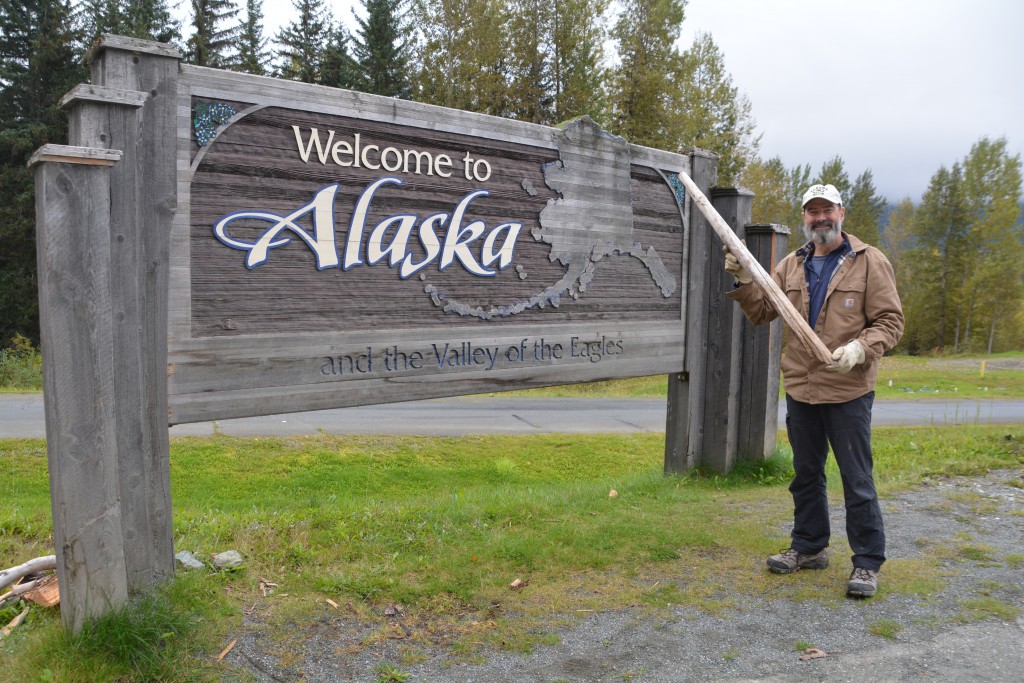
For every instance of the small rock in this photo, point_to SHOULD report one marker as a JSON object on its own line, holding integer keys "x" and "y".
{"x": 229, "y": 559}
{"x": 188, "y": 560}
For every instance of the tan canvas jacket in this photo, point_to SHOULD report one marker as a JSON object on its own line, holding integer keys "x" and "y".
{"x": 862, "y": 303}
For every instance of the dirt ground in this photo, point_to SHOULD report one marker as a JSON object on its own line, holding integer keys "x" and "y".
{"x": 948, "y": 636}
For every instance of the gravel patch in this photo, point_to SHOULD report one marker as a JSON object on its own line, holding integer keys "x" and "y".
{"x": 933, "y": 639}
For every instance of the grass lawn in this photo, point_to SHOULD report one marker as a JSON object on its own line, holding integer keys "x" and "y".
{"x": 899, "y": 377}
{"x": 442, "y": 526}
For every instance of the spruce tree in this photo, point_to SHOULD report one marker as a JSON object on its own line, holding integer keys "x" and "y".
{"x": 834, "y": 173}
{"x": 253, "y": 56}
{"x": 338, "y": 69}
{"x": 381, "y": 49}
{"x": 940, "y": 228}
{"x": 303, "y": 42}
{"x": 149, "y": 20}
{"x": 577, "y": 72}
{"x": 40, "y": 44}
{"x": 215, "y": 35}
{"x": 864, "y": 209}
{"x": 530, "y": 70}
{"x": 710, "y": 112}
{"x": 643, "y": 83}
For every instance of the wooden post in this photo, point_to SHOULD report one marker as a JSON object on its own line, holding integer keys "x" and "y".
{"x": 75, "y": 311}
{"x": 721, "y": 404}
{"x": 138, "y": 80}
{"x": 684, "y": 426}
{"x": 762, "y": 352}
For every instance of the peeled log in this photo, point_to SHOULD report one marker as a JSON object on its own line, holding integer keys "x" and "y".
{"x": 760, "y": 277}
{"x": 40, "y": 564}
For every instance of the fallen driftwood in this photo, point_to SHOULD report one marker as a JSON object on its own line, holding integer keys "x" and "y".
{"x": 6, "y": 630}
{"x": 40, "y": 564}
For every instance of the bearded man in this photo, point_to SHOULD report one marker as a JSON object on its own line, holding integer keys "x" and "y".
{"x": 847, "y": 292}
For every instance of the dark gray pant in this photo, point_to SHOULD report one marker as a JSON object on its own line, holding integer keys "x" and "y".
{"x": 847, "y": 427}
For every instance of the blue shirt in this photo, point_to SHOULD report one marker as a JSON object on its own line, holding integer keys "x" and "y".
{"x": 819, "y": 275}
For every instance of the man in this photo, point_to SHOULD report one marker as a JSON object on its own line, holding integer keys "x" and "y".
{"x": 847, "y": 292}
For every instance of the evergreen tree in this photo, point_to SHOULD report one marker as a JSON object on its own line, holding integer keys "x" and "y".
{"x": 531, "y": 78}
{"x": 833, "y": 172}
{"x": 769, "y": 181}
{"x": 644, "y": 83}
{"x": 212, "y": 42}
{"x": 103, "y": 16}
{"x": 338, "y": 68}
{"x": 303, "y": 42}
{"x": 463, "y": 54}
{"x": 864, "y": 209}
{"x": 711, "y": 113}
{"x": 149, "y": 20}
{"x": 577, "y": 56}
{"x": 898, "y": 240}
{"x": 940, "y": 228}
{"x": 40, "y": 44}
{"x": 992, "y": 288}
{"x": 381, "y": 49}
{"x": 253, "y": 56}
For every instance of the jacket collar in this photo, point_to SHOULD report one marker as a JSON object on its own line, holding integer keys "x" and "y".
{"x": 851, "y": 245}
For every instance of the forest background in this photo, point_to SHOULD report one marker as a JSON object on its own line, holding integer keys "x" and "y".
{"x": 958, "y": 252}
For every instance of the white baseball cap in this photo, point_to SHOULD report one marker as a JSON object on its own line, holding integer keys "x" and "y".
{"x": 827, "y": 192}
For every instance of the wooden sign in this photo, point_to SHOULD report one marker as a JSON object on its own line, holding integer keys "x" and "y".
{"x": 334, "y": 248}
{"x": 215, "y": 245}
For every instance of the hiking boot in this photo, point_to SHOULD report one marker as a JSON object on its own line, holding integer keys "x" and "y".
{"x": 789, "y": 561}
{"x": 863, "y": 583}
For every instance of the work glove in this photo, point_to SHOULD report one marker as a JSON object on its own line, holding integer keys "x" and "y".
{"x": 733, "y": 267}
{"x": 845, "y": 357}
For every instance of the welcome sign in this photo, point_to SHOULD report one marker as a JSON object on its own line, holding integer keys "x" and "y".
{"x": 357, "y": 249}
{"x": 216, "y": 245}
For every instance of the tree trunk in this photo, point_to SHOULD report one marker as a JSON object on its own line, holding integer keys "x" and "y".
{"x": 956, "y": 335}
{"x": 991, "y": 334}
{"x": 967, "y": 323}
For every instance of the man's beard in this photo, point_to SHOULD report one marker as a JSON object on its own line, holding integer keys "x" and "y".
{"x": 823, "y": 237}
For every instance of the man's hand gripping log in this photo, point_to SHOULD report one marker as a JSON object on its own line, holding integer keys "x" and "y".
{"x": 760, "y": 277}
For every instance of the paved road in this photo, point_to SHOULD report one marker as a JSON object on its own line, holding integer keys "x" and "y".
{"x": 21, "y": 415}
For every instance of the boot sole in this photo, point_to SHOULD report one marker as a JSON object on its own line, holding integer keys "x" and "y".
{"x": 860, "y": 593}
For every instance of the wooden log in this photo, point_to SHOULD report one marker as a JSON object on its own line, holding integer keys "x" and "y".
{"x": 800, "y": 328}
{"x": 39, "y": 564}
{"x": 73, "y": 250}
{"x": 13, "y": 624}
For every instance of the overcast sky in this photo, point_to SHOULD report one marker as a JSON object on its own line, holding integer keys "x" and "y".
{"x": 897, "y": 86}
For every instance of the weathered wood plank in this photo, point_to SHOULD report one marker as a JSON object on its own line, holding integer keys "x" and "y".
{"x": 143, "y": 200}
{"x": 225, "y": 405}
{"x": 73, "y": 246}
{"x": 73, "y": 154}
{"x": 723, "y": 343}
{"x": 684, "y": 430}
{"x": 97, "y": 93}
{"x": 762, "y": 351}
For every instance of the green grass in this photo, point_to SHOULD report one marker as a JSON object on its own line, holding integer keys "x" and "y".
{"x": 443, "y": 526}
{"x": 885, "y": 628}
{"x": 945, "y": 377}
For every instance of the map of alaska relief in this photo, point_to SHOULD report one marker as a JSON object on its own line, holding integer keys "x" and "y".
{"x": 592, "y": 219}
